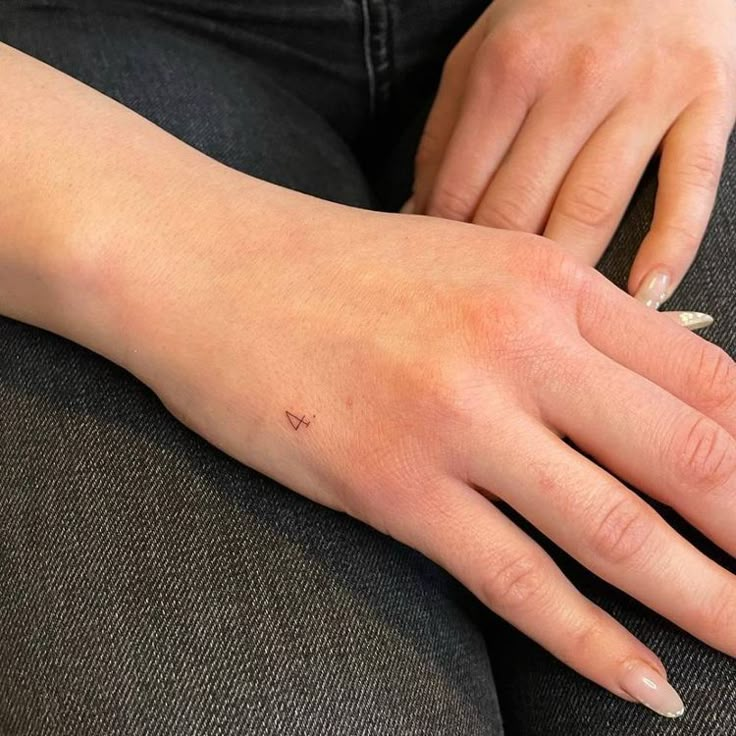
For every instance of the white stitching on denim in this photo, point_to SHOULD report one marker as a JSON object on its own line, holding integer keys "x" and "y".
{"x": 370, "y": 69}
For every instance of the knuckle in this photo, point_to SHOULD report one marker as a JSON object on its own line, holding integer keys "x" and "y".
{"x": 586, "y": 65}
{"x": 623, "y": 531}
{"x": 703, "y": 454}
{"x": 450, "y": 396}
{"x": 515, "y": 331}
{"x": 449, "y": 203}
{"x": 715, "y": 374}
{"x": 701, "y": 167}
{"x": 514, "y": 55}
{"x": 516, "y": 585}
{"x": 585, "y": 637}
{"x": 706, "y": 64}
{"x": 556, "y": 271}
{"x": 490, "y": 326}
{"x": 506, "y": 47}
{"x": 682, "y": 235}
{"x": 507, "y": 212}
{"x": 431, "y": 386}
{"x": 594, "y": 306}
{"x": 587, "y": 204}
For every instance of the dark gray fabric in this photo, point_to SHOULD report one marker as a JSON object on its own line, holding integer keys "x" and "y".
{"x": 149, "y": 584}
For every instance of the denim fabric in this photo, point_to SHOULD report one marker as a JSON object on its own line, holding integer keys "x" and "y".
{"x": 149, "y": 584}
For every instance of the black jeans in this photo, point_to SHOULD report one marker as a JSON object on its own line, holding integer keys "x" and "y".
{"x": 149, "y": 584}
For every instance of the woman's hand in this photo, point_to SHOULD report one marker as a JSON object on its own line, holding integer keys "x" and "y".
{"x": 406, "y": 370}
{"x": 549, "y": 111}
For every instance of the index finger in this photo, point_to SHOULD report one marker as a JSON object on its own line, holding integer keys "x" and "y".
{"x": 443, "y": 116}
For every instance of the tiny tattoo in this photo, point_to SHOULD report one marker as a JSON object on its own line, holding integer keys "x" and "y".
{"x": 296, "y": 421}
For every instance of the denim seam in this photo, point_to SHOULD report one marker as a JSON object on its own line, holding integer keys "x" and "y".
{"x": 377, "y": 52}
{"x": 368, "y": 53}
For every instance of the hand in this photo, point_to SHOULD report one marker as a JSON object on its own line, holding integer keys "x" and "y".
{"x": 376, "y": 364}
{"x": 549, "y": 111}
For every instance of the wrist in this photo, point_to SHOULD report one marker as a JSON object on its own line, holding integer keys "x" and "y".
{"x": 33, "y": 274}
{"x": 138, "y": 277}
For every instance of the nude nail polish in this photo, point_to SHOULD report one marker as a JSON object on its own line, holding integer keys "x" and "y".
{"x": 655, "y": 289}
{"x": 645, "y": 684}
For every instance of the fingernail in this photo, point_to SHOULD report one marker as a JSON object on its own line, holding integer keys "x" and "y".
{"x": 692, "y": 320}
{"x": 645, "y": 684}
{"x": 655, "y": 289}
{"x": 408, "y": 208}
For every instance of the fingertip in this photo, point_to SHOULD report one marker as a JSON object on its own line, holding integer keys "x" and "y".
{"x": 408, "y": 208}
{"x": 647, "y": 262}
{"x": 642, "y": 682}
{"x": 655, "y": 287}
{"x": 421, "y": 194}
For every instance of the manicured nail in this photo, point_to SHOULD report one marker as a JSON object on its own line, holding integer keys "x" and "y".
{"x": 655, "y": 289}
{"x": 691, "y": 320}
{"x": 645, "y": 684}
{"x": 408, "y": 208}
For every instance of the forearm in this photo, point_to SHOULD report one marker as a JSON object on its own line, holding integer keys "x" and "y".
{"x": 88, "y": 188}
